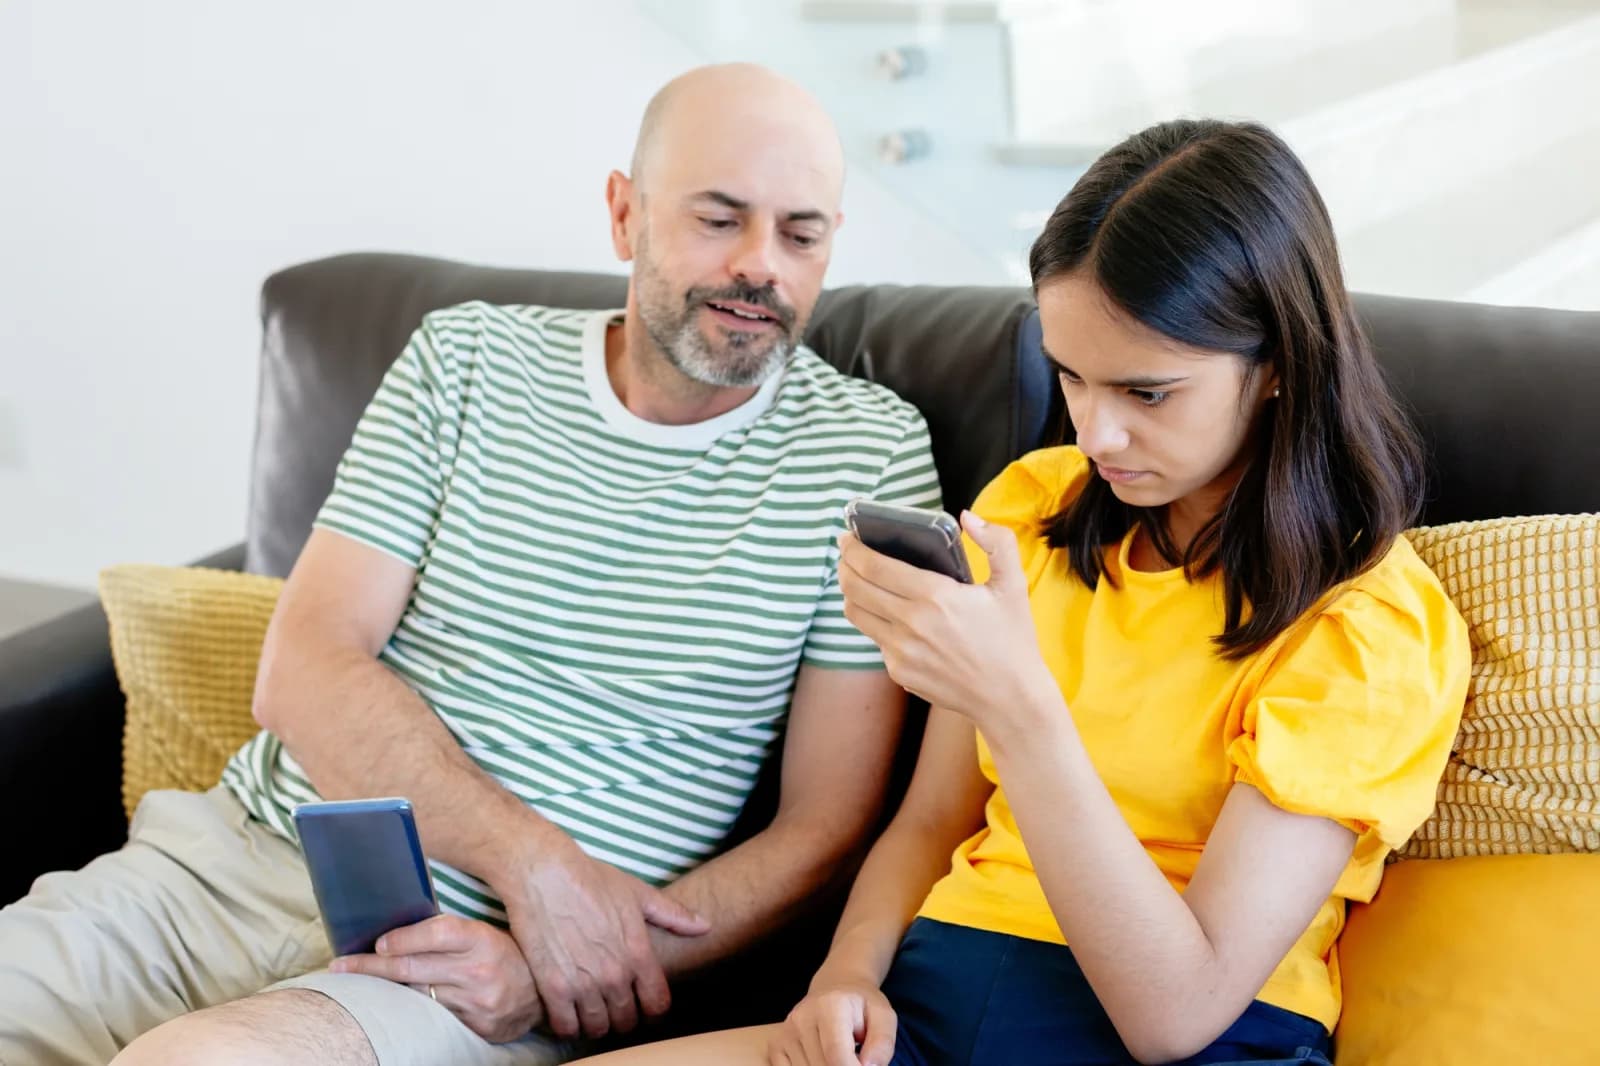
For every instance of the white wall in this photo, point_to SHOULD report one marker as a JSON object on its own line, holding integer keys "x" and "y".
{"x": 157, "y": 160}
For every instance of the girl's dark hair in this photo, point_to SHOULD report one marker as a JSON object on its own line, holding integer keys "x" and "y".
{"x": 1212, "y": 234}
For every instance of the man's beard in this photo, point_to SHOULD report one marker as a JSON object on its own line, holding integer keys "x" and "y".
{"x": 734, "y": 359}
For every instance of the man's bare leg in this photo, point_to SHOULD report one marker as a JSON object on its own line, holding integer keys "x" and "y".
{"x": 289, "y": 1027}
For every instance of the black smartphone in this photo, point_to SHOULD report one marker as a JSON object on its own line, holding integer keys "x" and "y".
{"x": 929, "y": 539}
{"x": 367, "y": 869}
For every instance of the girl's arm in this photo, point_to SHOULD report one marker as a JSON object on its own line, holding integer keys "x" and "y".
{"x": 942, "y": 808}
{"x": 1172, "y": 971}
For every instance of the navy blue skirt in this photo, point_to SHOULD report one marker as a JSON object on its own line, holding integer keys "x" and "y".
{"x": 967, "y": 997}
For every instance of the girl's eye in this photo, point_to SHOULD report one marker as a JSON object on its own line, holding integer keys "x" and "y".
{"x": 1149, "y": 397}
{"x": 1067, "y": 379}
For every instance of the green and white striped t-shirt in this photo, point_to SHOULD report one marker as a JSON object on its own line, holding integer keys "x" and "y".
{"x": 608, "y": 612}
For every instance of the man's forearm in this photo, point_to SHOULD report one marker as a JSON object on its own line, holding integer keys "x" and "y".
{"x": 752, "y": 890}
{"x": 358, "y": 730}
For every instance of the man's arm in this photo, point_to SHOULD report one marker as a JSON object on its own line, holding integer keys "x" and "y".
{"x": 843, "y": 727}
{"x": 356, "y": 728}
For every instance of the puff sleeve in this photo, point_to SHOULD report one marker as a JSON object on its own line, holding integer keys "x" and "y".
{"x": 1355, "y": 714}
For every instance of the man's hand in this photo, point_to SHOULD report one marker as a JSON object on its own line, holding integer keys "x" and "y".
{"x": 474, "y": 970}
{"x": 581, "y": 926}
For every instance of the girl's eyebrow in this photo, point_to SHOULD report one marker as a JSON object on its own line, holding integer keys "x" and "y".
{"x": 1139, "y": 382}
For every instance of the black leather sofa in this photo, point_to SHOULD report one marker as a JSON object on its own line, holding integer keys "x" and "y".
{"x": 1508, "y": 399}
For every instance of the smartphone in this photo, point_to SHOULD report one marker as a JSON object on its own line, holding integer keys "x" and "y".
{"x": 367, "y": 869}
{"x": 929, "y": 539}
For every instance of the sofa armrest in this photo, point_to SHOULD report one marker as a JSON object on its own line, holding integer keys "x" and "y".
{"x": 61, "y": 715}
{"x": 60, "y": 748}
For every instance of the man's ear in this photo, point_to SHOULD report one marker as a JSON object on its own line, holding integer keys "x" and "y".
{"x": 619, "y": 203}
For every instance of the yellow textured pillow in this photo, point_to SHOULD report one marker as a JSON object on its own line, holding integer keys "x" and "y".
{"x": 1525, "y": 773}
{"x": 185, "y": 642}
{"x": 1474, "y": 962}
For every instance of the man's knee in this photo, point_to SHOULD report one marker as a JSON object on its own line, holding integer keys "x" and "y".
{"x": 271, "y": 1029}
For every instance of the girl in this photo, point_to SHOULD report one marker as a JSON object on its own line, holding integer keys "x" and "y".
{"x": 1203, "y": 687}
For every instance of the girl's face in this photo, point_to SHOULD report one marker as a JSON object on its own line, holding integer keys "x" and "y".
{"x": 1161, "y": 422}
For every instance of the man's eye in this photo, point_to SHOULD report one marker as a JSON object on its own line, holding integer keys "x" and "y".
{"x": 803, "y": 240}
{"x": 718, "y": 223}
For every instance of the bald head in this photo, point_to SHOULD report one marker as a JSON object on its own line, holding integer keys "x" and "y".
{"x": 735, "y": 104}
{"x": 728, "y": 219}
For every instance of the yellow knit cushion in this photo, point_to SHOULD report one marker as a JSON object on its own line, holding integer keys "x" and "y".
{"x": 1525, "y": 773}
{"x": 185, "y": 642}
{"x": 1474, "y": 962}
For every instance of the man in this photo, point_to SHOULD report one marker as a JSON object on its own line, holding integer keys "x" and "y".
{"x": 576, "y": 573}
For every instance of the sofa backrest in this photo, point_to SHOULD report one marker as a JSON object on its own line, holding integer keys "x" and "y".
{"x": 1506, "y": 397}
{"x": 967, "y": 357}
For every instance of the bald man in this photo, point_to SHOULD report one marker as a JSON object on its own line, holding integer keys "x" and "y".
{"x": 575, "y": 578}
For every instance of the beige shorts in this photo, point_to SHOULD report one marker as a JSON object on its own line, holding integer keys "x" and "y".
{"x": 202, "y": 906}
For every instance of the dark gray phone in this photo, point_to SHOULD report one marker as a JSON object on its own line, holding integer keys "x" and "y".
{"x": 929, "y": 539}
{"x": 367, "y": 868}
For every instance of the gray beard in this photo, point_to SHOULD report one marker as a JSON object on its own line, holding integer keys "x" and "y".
{"x": 746, "y": 363}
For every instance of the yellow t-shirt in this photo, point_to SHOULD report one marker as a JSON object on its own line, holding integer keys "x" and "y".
{"x": 1350, "y": 715}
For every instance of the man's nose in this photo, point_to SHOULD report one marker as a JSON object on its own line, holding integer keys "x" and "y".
{"x": 753, "y": 260}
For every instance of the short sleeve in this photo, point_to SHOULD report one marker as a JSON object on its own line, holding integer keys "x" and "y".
{"x": 1022, "y": 497}
{"x": 389, "y": 486}
{"x": 1354, "y": 717}
{"x": 909, "y": 479}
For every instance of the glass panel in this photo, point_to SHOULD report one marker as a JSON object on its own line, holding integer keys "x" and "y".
{"x": 1455, "y": 141}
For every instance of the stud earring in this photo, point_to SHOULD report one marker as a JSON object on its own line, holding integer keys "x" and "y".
{"x": 1275, "y": 393}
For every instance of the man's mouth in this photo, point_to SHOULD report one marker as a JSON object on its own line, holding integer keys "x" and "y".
{"x": 743, "y": 312}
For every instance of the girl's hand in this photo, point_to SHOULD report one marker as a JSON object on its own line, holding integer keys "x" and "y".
{"x": 827, "y": 1027}
{"x": 970, "y": 648}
